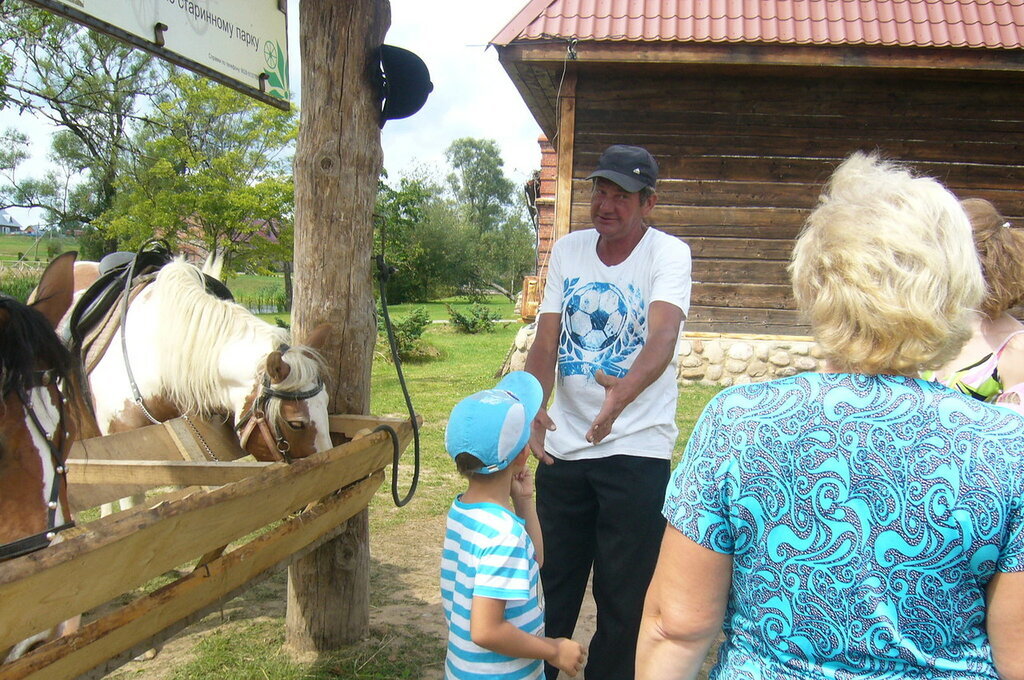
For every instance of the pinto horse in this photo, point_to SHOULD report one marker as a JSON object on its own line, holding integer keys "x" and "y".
{"x": 184, "y": 352}
{"x": 43, "y": 413}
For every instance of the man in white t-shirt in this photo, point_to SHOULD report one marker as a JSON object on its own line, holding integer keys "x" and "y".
{"x": 607, "y": 335}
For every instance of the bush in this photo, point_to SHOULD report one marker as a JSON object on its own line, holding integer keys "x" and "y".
{"x": 477, "y": 318}
{"x": 408, "y": 333}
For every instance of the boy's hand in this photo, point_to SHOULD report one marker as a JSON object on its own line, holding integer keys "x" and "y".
{"x": 522, "y": 484}
{"x": 570, "y": 656}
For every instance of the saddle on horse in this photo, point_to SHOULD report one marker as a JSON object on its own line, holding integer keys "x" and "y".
{"x": 96, "y": 315}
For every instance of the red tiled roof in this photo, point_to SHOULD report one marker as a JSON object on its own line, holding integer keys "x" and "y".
{"x": 909, "y": 23}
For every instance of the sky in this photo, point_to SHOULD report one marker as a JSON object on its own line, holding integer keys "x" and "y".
{"x": 472, "y": 96}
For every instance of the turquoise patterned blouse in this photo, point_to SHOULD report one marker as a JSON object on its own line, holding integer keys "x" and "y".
{"x": 865, "y": 515}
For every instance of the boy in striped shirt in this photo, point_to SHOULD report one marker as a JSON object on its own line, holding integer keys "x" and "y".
{"x": 492, "y": 546}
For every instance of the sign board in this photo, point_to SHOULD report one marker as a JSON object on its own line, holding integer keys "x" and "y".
{"x": 240, "y": 43}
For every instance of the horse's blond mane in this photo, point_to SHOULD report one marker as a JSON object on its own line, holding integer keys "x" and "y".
{"x": 195, "y": 327}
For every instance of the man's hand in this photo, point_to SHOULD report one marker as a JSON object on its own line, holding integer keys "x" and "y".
{"x": 542, "y": 424}
{"x": 610, "y": 409}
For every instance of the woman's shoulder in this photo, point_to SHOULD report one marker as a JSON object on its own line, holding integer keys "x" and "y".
{"x": 1015, "y": 341}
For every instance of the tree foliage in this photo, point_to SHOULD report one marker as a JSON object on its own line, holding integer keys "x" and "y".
{"x": 415, "y": 225}
{"x": 93, "y": 88}
{"x": 213, "y": 173}
{"x": 470, "y": 236}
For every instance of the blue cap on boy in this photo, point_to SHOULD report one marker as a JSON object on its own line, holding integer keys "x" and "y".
{"x": 494, "y": 425}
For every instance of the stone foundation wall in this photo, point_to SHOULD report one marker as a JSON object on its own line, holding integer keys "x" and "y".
{"x": 732, "y": 359}
{"x": 719, "y": 358}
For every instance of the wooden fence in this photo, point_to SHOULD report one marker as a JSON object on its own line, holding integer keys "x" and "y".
{"x": 239, "y": 522}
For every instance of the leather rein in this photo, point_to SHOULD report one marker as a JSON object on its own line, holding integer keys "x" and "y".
{"x": 44, "y": 538}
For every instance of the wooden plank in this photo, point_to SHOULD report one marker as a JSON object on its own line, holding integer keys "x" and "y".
{"x": 348, "y": 425}
{"x": 722, "y": 270}
{"x": 713, "y": 165}
{"x": 146, "y": 474}
{"x": 184, "y": 442}
{"x": 822, "y": 147}
{"x": 169, "y": 441}
{"x": 695, "y": 215}
{"x": 841, "y": 59}
{"x": 740, "y": 248}
{"x": 120, "y": 555}
{"x": 716, "y": 193}
{"x": 746, "y": 320}
{"x": 690, "y": 232}
{"x": 801, "y": 94}
{"x": 156, "y": 616}
{"x": 743, "y": 295}
{"x": 565, "y": 143}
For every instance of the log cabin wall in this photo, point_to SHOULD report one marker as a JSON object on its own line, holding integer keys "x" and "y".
{"x": 744, "y": 156}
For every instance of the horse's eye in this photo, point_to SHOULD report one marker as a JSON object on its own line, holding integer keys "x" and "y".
{"x": 296, "y": 424}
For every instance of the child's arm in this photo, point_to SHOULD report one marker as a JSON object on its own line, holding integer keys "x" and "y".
{"x": 489, "y": 629}
{"x": 522, "y": 503}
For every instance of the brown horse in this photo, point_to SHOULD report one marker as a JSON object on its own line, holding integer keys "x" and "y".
{"x": 43, "y": 412}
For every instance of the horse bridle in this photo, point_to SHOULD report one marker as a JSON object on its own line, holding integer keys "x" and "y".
{"x": 255, "y": 417}
{"x": 44, "y": 538}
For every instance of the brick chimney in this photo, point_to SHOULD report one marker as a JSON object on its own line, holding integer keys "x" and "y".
{"x": 546, "y": 204}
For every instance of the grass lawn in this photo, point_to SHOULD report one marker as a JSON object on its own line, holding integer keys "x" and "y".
{"x": 438, "y": 310}
{"x": 33, "y": 248}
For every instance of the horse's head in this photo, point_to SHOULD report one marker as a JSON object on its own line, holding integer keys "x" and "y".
{"x": 286, "y": 415}
{"x": 37, "y": 422}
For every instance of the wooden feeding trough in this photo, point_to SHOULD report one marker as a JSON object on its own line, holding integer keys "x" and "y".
{"x": 237, "y": 522}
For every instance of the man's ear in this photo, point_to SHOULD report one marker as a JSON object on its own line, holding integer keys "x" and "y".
{"x": 652, "y": 201}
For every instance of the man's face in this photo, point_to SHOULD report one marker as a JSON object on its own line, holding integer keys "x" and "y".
{"x": 616, "y": 212}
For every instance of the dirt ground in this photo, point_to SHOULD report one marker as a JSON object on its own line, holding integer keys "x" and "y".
{"x": 404, "y": 594}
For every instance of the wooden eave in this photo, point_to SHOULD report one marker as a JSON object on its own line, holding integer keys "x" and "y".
{"x": 537, "y": 67}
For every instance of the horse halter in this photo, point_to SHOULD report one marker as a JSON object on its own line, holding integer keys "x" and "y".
{"x": 43, "y": 539}
{"x": 256, "y": 415}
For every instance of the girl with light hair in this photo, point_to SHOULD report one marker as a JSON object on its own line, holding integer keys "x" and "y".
{"x": 859, "y": 522}
{"x": 990, "y": 367}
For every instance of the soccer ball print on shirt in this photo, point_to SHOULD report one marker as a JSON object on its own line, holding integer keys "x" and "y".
{"x": 602, "y": 328}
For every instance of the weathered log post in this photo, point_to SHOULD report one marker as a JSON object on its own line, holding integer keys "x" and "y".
{"x": 337, "y": 163}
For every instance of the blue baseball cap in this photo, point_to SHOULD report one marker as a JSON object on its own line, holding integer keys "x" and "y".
{"x": 494, "y": 425}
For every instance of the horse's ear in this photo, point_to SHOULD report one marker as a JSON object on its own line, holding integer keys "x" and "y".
{"x": 277, "y": 368}
{"x": 318, "y": 337}
{"x": 56, "y": 288}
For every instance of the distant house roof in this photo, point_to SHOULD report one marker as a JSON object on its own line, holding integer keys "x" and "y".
{"x": 993, "y": 24}
{"x": 8, "y": 221}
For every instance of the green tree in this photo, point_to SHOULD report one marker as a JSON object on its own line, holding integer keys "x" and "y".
{"x": 214, "y": 173}
{"x": 422, "y": 238}
{"x": 92, "y": 88}
{"x": 479, "y": 183}
{"x": 503, "y": 243}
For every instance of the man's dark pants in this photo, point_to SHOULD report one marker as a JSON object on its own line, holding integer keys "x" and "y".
{"x": 606, "y": 513}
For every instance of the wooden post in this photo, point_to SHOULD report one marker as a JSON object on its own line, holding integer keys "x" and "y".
{"x": 565, "y": 144}
{"x": 337, "y": 163}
